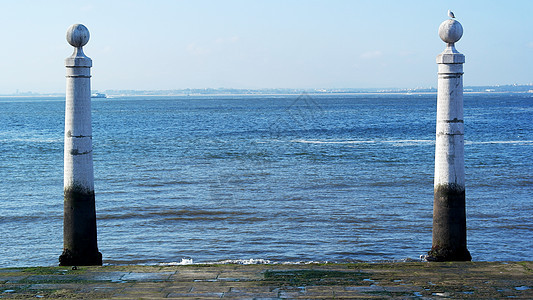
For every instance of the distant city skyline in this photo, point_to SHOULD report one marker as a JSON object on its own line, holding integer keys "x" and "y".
{"x": 168, "y": 45}
{"x": 511, "y": 88}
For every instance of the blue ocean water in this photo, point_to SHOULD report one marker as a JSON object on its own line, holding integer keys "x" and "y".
{"x": 281, "y": 178}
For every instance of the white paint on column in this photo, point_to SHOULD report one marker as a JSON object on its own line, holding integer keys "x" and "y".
{"x": 449, "y": 148}
{"x": 78, "y": 159}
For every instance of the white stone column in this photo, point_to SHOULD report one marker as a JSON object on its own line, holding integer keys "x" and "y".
{"x": 449, "y": 212}
{"x": 79, "y": 224}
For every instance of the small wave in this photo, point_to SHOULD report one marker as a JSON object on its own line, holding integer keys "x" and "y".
{"x": 150, "y": 184}
{"x": 109, "y": 216}
{"x": 248, "y": 220}
{"x": 527, "y": 183}
{"x": 31, "y": 140}
{"x": 395, "y": 142}
{"x": 516, "y": 227}
{"x": 406, "y": 142}
{"x": 28, "y": 218}
{"x": 189, "y": 212}
{"x": 251, "y": 261}
{"x": 402, "y": 143}
{"x": 332, "y": 142}
{"x": 179, "y": 182}
{"x": 522, "y": 143}
{"x": 173, "y": 215}
{"x": 183, "y": 262}
{"x": 409, "y": 141}
{"x": 195, "y": 219}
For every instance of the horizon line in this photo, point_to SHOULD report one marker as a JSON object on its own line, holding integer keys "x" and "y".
{"x": 208, "y": 90}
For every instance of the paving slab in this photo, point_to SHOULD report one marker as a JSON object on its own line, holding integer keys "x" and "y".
{"x": 148, "y": 276}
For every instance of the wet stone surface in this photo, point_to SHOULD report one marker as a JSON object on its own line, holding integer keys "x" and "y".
{"x": 471, "y": 280}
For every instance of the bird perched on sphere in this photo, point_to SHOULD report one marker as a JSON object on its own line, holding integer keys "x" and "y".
{"x": 450, "y": 14}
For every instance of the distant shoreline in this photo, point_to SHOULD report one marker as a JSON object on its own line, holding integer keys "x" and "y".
{"x": 181, "y": 95}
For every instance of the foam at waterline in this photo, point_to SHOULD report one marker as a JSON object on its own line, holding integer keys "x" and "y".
{"x": 260, "y": 261}
{"x": 184, "y": 262}
{"x": 251, "y": 261}
{"x": 189, "y": 261}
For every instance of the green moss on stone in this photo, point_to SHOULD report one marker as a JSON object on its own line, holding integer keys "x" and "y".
{"x": 314, "y": 277}
{"x": 45, "y": 270}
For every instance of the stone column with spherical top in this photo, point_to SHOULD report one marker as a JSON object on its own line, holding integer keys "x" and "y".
{"x": 449, "y": 211}
{"x": 79, "y": 223}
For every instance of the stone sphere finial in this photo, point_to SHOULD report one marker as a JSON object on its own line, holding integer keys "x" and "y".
{"x": 78, "y": 35}
{"x": 450, "y": 31}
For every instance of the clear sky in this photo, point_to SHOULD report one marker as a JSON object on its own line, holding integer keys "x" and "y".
{"x": 173, "y": 44}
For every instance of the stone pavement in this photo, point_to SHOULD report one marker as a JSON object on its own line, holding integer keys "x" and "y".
{"x": 416, "y": 280}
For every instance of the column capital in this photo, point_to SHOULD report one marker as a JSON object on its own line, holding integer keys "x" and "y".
{"x": 450, "y": 32}
{"x": 78, "y": 36}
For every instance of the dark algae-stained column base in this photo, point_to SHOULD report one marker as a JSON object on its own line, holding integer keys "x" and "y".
{"x": 449, "y": 225}
{"x": 68, "y": 258}
{"x": 446, "y": 254}
{"x": 79, "y": 230}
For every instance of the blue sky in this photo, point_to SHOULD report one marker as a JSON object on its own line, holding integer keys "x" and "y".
{"x": 172, "y": 44}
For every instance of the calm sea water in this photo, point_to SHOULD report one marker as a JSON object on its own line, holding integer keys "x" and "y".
{"x": 280, "y": 178}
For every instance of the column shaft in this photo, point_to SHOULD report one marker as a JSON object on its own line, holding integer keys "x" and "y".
{"x": 79, "y": 223}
